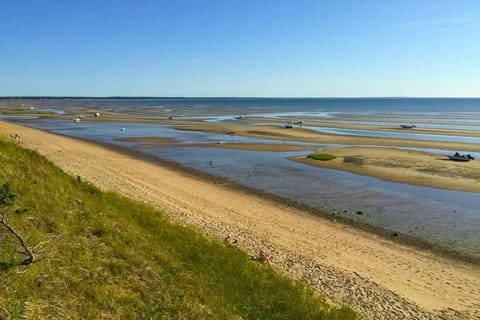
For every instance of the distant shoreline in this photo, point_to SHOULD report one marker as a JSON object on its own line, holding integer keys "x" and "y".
{"x": 224, "y": 97}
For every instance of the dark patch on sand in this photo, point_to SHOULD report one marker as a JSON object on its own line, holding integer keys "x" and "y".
{"x": 148, "y": 139}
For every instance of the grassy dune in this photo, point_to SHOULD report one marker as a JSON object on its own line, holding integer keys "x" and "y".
{"x": 102, "y": 256}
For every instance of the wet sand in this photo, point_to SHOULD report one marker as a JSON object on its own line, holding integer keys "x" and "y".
{"x": 305, "y": 135}
{"x": 380, "y": 278}
{"x": 255, "y": 146}
{"x": 158, "y": 142}
{"x": 222, "y": 127}
{"x": 403, "y": 166}
{"x": 360, "y": 126}
{"x": 149, "y": 140}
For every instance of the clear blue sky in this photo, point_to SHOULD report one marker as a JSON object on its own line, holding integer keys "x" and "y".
{"x": 240, "y": 48}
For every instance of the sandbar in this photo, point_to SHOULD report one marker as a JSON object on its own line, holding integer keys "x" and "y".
{"x": 411, "y": 167}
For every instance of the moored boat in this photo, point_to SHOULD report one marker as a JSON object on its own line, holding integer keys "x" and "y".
{"x": 460, "y": 157}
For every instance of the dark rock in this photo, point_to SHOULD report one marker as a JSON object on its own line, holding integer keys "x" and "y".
{"x": 359, "y": 212}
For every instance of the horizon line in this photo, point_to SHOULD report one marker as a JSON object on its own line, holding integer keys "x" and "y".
{"x": 228, "y": 97}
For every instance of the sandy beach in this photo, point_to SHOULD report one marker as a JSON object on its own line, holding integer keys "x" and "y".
{"x": 380, "y": 278}
{"x": 403, "y": 166}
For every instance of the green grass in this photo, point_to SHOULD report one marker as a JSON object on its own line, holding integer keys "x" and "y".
{"x": 321, "y": 156}
{"x": 103, "y": 256}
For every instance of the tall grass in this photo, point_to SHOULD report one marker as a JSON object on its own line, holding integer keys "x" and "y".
{"x": 103, "y": 256}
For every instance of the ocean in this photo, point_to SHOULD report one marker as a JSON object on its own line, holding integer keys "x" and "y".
{"x": 217, "y": 106}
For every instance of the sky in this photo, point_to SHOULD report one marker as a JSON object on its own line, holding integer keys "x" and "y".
{"x": 241, "y": 48}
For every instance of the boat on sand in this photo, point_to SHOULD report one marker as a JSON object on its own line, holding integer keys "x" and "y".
{"x": 460, "y": 157}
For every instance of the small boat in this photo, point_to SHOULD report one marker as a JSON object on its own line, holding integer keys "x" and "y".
{"x": 407, "y": 126}
{"x": 97, "y": 114}
{"x": 77, "y": 119}
{"x": 239, "y": 118}
{"x": 288, "y": 126}
{"x": 460, "y": 157}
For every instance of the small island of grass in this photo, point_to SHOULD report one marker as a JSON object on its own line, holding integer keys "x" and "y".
{"x": 321, "y": 156}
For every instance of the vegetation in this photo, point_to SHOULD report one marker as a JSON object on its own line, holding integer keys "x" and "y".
{"x": 102, "y": 256}
{"x": 7, "y": 197}
{"x": 321, "y": 156}
{"x": 355, "y": 160}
